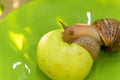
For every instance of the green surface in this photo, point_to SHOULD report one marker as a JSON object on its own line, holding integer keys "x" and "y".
{"x": 21, "y": 30}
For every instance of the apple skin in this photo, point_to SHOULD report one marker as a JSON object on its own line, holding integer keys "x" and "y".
{"x": 60, "y": 60}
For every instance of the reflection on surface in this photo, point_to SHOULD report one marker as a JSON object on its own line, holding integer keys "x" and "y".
{"x": 89, "y": 17}
{"x": 27, "y": 57}
{"x": 28, "y": 30}
{"x": 26, "y": 66}
{"x": 17, "y": 39}
{"x": 16, "y": 64}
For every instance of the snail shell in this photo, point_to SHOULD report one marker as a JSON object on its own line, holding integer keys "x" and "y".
{"x": 109, "y": 31}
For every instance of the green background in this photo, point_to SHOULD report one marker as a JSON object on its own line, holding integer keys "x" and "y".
{"x": 21, "y": 30}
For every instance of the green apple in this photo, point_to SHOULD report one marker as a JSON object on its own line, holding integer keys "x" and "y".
{"x": 62, "y": 61}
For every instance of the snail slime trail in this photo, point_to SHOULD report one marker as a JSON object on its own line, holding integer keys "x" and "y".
{"x": 103, "y": 32}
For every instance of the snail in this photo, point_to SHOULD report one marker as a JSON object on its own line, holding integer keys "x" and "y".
{"x": 103, "y": 32}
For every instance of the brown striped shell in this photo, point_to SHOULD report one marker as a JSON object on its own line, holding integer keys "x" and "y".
{"x": 109, "y": 31}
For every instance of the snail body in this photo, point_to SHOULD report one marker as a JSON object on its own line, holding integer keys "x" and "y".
{"x": 103, "y": 32}
{"x": 73, "y": 32}
{"x": 84, "y": 35}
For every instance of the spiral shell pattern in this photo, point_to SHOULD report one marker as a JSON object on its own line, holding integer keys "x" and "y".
{"x": 109, "y": 31}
